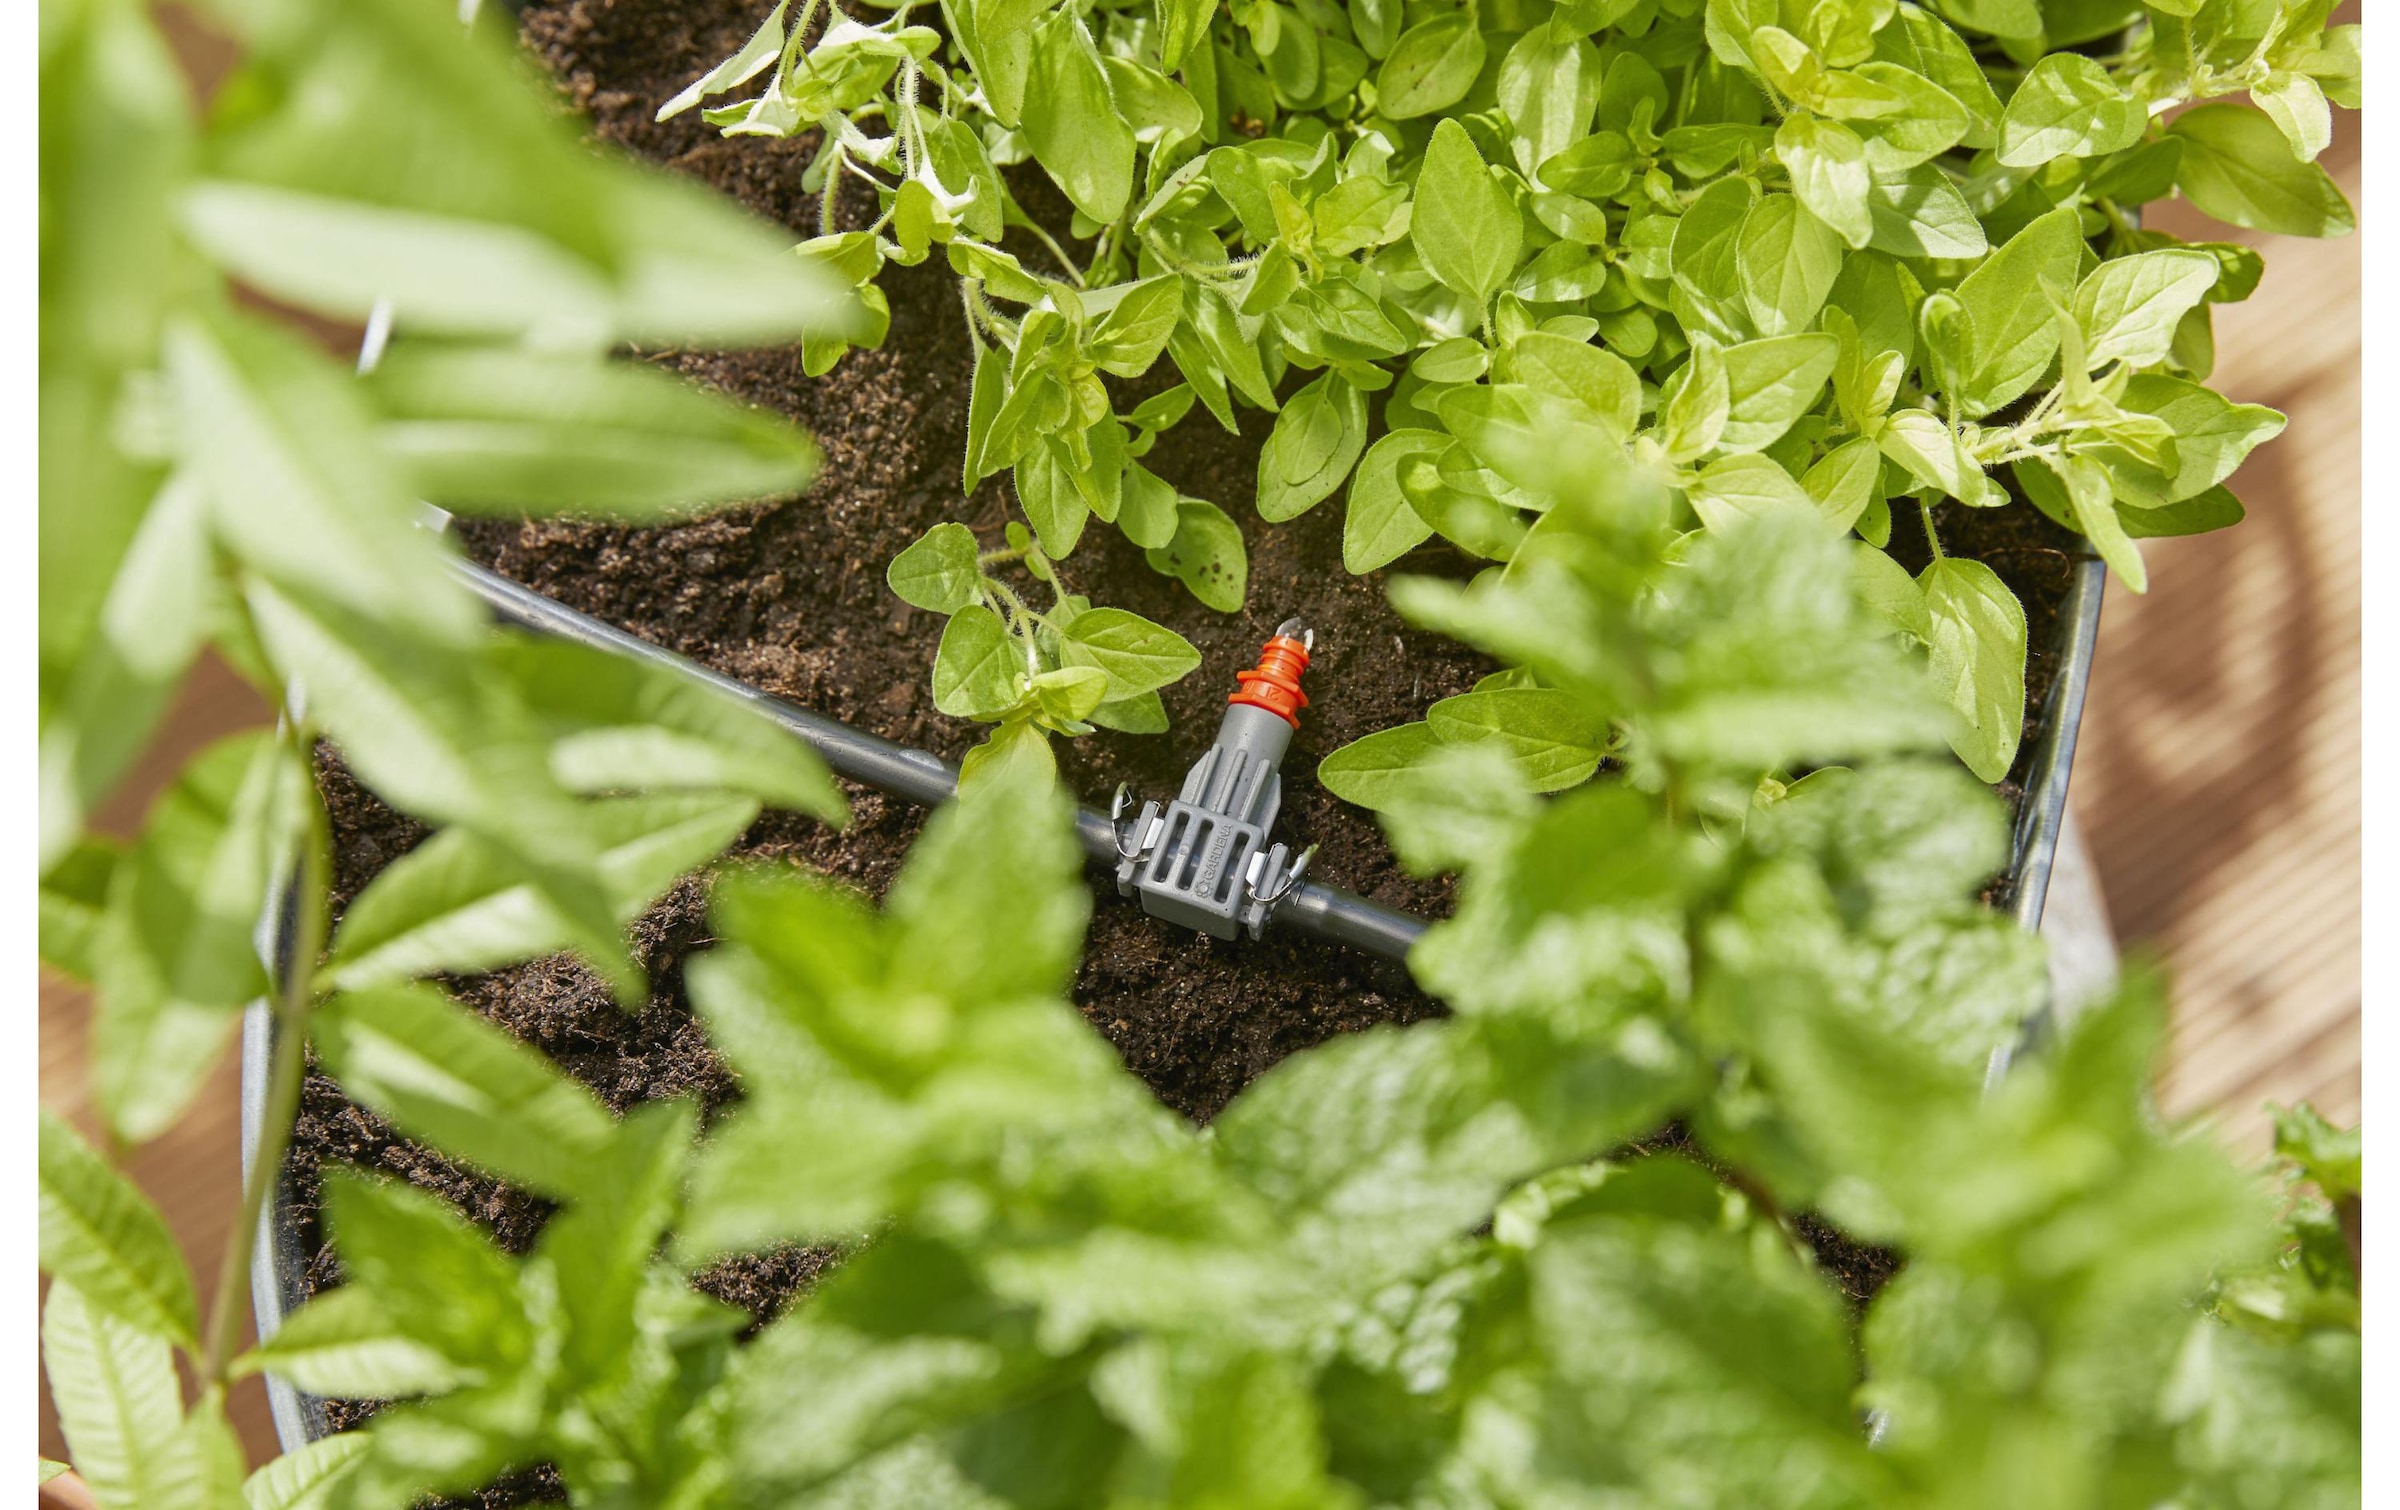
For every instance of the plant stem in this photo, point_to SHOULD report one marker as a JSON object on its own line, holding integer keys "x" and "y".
{"x": 1933, "y": 542}
{"x": 1056, "y": 250}
{"x": 292, "y": 1003}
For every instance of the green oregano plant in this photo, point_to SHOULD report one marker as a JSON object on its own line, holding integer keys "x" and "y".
{"x": 1855, "y": 254}
{"x": 1435, "y": 1264}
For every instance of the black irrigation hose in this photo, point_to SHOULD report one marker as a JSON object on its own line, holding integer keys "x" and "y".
{"x": 1327, "y": 912}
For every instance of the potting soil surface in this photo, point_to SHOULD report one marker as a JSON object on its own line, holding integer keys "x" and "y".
{"x": 790, "y": 597}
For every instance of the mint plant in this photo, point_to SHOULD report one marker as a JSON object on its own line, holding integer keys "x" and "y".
{"x": 1851, "y": 255}
{"x": 213, "y": 482}
{"x": 1412, "y": 1265}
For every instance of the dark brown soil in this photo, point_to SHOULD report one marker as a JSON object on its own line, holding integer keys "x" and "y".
{"x": 790, "y": 597}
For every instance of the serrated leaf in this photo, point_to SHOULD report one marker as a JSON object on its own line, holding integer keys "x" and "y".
{"x": 513, "y": 432}
{"x": 340, "y": 1345}
{"x": 178, "y": 950}
{"x": 455, "y": 905}
{"x": 114, "y": 1386}
{"x": 101, "y": 1235}
{"x": 442, "y": 1074}
{"x": 305, "y": 1478}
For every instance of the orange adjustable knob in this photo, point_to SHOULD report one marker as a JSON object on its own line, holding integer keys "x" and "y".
{"x": 1275, "y": 684}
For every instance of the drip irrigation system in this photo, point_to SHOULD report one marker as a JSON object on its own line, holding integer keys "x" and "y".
{"x": 1310, "y": 907}
{"x": 1203, "y": 862}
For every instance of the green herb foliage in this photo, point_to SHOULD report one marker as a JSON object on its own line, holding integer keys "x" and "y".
{"x": 1411, "y": 1266}
{"x": 212, "y": 482}
{"x": 1851, "y": 253}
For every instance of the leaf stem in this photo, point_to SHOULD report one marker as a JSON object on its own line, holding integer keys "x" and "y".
{"x": 284, "y": 1076}
{"x": 1056, "y": 250}
{"x": 1933, "y": 542}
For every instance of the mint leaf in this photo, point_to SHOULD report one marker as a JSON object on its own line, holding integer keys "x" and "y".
{"x": 101, "y": 1235}
{"x": 443, "y": 1074}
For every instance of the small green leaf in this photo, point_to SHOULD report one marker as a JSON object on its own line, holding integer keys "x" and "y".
{"x": 1888, "y": 591}
{"x": 1146, "y": 513}
{"x": 2128, "y": 308}
{"x": 2214, "y": 509}
{"x": 1734, "y": 488}
{"x": 1131, "y": 335}
{"x": 1054, "y": 504}
{"x": 305, "y": 1479}
{"x": 1789, "y": 260}
{"x": 2067, "y": 106}
{"x": 2009, "y": 302}
{"x": 1316, "y": 440}
{"x": 1582, "y": 373}
{"x": 341, "y": 1345}
{"x": 1206, "y": 556}
{"x": 1372, "y": 771}
{"x": 940, "y": 571}
{"x": 445, "y": 1075}
{"x": 1828, "y": 165}
{"x": 975, "y": 669}
{"x": 1134, "y": 654}
{"x": 1549, "y": 84}
{"x": 103, "y": 1236}
{"x": 1769, "y": 384}
{"x": 2237, "y": 167}
{"x": 1547, "y": 735}
{"x": 1430, "y": 67}
{"x": 1015, "y": 752}
{"x": 1844, "y": 481}
{"x": 114, "y": 1386}
{"x": 1464, "y": 225}
{"x": 1978, "y": 647}
{"x": 1920, "y": 213}
{"x": 1071, "y": 120}
{"x": 1381, "y": 526}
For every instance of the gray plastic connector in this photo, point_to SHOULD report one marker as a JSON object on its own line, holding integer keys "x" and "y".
{"x": 1206, "y": 862}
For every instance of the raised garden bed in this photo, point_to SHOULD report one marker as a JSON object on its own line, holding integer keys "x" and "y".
{"x": 790, "y": 598}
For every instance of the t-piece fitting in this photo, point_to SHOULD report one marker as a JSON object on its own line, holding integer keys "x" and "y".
{"x": 1205, "y": 862}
